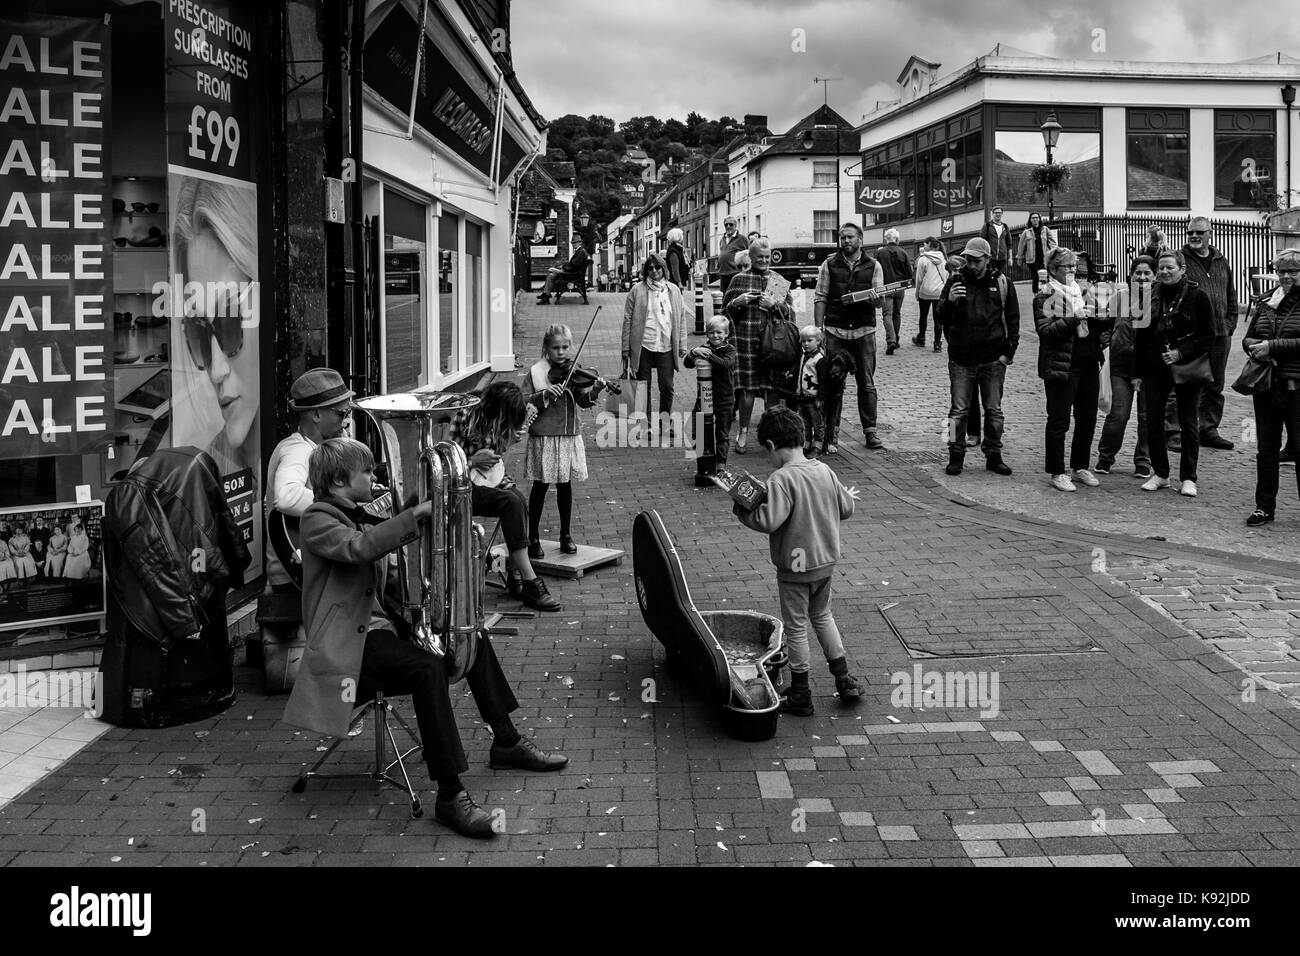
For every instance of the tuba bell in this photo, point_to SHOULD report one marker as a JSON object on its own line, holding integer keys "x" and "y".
{"x": 441, "y": 575}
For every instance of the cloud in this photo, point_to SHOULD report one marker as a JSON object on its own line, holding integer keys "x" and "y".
{"x": 622, "y": 59}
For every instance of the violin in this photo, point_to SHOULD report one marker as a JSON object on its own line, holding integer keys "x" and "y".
{"x": 579, "y": 377}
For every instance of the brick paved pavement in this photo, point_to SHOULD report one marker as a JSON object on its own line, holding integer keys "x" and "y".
{"x": 1140, "y": 748}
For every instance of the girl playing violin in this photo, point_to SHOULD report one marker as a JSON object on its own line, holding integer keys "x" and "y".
{"x": 555, "y": 453}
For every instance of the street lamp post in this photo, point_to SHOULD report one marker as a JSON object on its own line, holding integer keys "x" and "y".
{"x": 808, "y": 142}
{"x": 1051, "y": 134}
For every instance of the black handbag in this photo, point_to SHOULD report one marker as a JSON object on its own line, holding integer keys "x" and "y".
{"x": 1195, "y": 372}
{"x": 1256, "y": 377}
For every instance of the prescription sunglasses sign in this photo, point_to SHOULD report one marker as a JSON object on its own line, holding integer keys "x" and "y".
{"x": 879, "y": 196}
{"x": 55, "y": 328}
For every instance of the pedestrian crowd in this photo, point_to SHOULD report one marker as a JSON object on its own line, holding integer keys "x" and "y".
{"x": 1153, "y": 347}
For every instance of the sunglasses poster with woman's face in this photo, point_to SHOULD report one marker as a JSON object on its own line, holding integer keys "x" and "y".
{"x": 215, "y": 308}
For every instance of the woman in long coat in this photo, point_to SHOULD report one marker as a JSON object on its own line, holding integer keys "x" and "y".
{"x": 654, "y": 330}
{"x": 749, "y": 305}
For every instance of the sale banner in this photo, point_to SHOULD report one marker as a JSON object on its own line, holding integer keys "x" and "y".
{"x": 56, "y": 328}
{"x": 212, "y": 295}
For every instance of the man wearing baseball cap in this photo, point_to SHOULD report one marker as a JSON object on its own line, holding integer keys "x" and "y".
{"x": 323, "y": 403}
{"x": 978, "y": 309}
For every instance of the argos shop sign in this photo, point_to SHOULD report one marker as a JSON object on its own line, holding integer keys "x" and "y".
{"x": 879, "y": 195}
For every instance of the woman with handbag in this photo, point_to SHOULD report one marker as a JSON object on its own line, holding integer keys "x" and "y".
{"x": 749, "y": 306}
{"x": 1172, "y": 354}
{"x": 654, "y": 333}
{"x": 1036, "y": 241}
{"x": 1072, "y": 347}
{"x": 1272, "y": 378}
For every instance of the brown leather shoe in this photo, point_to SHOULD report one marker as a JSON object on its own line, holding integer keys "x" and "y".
{"x": 464, "y": 816}
{"x": 537, "y": 597}
{"x": 525, "y": 755}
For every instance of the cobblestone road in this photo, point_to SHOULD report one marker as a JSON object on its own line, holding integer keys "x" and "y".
{"x": 1115, "y": 736}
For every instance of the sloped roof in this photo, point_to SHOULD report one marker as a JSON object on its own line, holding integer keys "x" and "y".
{"x": 791, "y": 142}
{"x": 564, "y": 173}
{"x": 907, "y": 67}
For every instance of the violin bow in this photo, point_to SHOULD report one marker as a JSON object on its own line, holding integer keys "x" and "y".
{"x": 573, "y": 364}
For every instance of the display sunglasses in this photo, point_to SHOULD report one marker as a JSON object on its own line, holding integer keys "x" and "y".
{"x": 199, "y": 332}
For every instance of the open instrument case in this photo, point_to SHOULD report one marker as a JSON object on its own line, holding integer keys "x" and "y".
{"x": 733, "y": 656}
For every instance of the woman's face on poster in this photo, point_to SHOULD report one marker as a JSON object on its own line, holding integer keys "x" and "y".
{"x": 233, "y": 377}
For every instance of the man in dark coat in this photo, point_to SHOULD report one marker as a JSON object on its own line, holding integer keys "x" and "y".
{"x": 896, "y": 267}
{"x": 979, "y": 312}
{"x": 998, "y": 235}
{"x": 1212, "y": 274}
{"x": 732, "y": 243}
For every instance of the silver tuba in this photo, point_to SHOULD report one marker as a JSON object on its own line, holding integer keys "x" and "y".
{"x": 441, "y": 575}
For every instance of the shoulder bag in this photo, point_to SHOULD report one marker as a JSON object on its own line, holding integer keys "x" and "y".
{"x": 1256, "y": 376}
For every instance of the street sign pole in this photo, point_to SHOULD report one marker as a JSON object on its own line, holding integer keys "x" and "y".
{"x": 706, "y": 464}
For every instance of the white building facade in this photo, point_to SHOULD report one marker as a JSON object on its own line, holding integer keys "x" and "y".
{"x": 1140, "y": 139}
{"x": 439, "y": 187}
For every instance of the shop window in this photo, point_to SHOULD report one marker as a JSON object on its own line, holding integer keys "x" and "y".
{"x": 1158, "y": 159}
{"x": 406, "y": 332}
{"x": 1245, "y": 151}
{"x": 449, "y": 293}
{"x": 476, "y": 288}
{"x": 1017, "y": 152}
{"x": 824, "y": 226}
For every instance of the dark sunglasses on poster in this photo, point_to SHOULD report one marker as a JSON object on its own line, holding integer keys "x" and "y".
{"x": 144, "y": 207}
{"x": 199, "y": 332}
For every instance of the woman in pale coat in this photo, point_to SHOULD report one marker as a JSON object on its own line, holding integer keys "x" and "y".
{"x": 1036, "y": 241}
{"x": 654, "y": 330}
{"x": 78, "y": 564}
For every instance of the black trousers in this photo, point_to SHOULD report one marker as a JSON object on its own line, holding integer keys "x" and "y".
{"x": 1157, "y": 383}
{"x": 508, "y": 504}
{"x": 394, "y": 666}
{"x": 1077, "y": 394}
{"x": 1273, "y": 410}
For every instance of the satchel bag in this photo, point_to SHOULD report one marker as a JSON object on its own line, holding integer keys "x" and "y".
{"x": 778, "y": 347}
{"x": 1256, "y": 376}
{"x": 1195, "y": 372}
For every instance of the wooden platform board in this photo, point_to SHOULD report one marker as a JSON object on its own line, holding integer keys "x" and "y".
{"x": 557, "y": 564}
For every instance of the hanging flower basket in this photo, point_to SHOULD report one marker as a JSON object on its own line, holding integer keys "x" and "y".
{"x": 1051, "y": 176}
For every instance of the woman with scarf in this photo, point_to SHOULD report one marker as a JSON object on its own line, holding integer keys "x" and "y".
{"x": 1273, "y": 335}
{"x": 654, "y": 330}
{"x": 749, "y": 305}
{"x": 1036, "y": 243}
{"x": 1072, "y": 347}
{"x": 1180, "y": 332}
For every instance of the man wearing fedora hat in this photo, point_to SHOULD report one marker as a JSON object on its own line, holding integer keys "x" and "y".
{"x": 323, "y": 403}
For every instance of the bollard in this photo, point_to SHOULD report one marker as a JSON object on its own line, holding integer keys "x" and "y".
{"x": 699, "y": 308}
{"x": 705, "y": 463}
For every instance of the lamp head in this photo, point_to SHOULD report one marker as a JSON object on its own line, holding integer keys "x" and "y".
{"x": 1051, "y": 130}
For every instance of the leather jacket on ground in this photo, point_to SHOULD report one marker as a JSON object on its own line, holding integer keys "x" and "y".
{"x": 157, "y": 520}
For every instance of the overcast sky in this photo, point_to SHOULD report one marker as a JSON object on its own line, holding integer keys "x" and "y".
{"x": 623, "y": 58}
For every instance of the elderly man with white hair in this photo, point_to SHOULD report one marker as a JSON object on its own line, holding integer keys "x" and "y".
{"x": 731, "y": 245}
{"x": 896, "y": 268}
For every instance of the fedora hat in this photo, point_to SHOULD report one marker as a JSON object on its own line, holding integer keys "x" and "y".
{"x": 318, "y": 388}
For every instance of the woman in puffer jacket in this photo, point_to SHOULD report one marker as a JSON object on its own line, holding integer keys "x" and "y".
{"x": 1273, "y": 335}
{"x": 1071, "y": 348}
{"x": 931, "y": 274}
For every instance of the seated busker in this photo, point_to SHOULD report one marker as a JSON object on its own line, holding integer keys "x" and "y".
{"x": 354, "y": 649}
{"x": 485, "y": 432}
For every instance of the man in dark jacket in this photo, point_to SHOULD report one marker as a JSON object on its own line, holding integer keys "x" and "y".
{"x": 998, "y": 235}
{"x": 732, "y": 242}
{"x": 1212, "y": 274}
{"x": 576, "y": 266}
{"x": 978, "y": 309}
{"x": 896, "y": 267}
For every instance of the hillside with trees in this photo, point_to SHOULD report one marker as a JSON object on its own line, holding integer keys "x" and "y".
{"x": 598, "y": 149}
